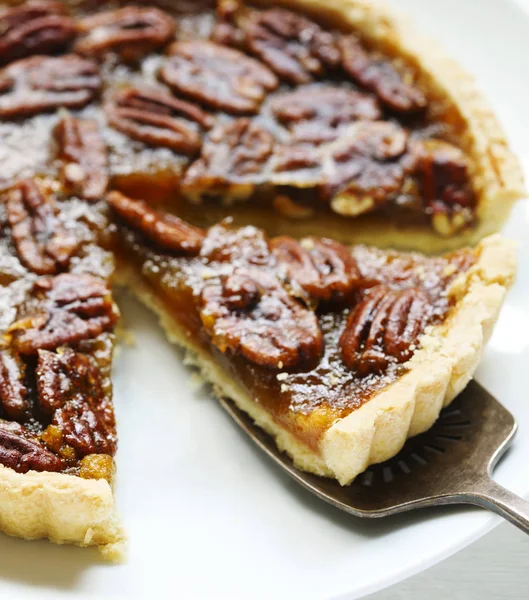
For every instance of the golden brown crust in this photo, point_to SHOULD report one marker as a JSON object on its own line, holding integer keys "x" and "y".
{"x": 63, "y": 508}
{"x": 445, "y": 362}
{"x": 497, "y": 174}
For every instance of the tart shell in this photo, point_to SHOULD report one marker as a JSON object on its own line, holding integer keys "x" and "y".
{"x": 439, "y": 370}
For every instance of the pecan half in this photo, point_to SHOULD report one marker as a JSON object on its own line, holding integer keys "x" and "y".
{"x": 37, "y": 27}
{"x": 316, "y": 114}
{"x": 383, "y": 328}
{"x": 84, "y": 159}
{"x": 163, "y": 229}
{"x": 294, "y": 47}
{"x": 325, "y": 269}
{"x": 444, "y": 180}
{"x": 63, "y": 310}
{"x": 71, "y": 392}
{"x": 240, "y": 247}
{"x": 219, "y": 77}
{"x": 246, "y": 309}
{"x": 380, "y": 77}
{"x": 235, "y": 152}
{"x": 131, "y": 32}
{"x": 158, "y": 119}
{"x": 42, "y": 83}
{"x": 366, "y": 167}
{"x": 22, "y": 452}
{"x": 13, "y": 391}
{"x": 42, "y": 243}
{"x": 249, "y": 313}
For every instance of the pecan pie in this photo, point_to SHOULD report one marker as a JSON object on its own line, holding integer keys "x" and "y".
{"x": 313, "y": 117}
{"x": 208, "y": 149}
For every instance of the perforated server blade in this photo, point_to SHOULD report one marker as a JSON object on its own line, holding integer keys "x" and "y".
{"x": 449, "y": 464}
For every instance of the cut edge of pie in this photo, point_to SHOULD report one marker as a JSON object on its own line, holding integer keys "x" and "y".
{"x": 66, "y": 509}
{"x": 497, "y": 174}
{"x": 445, "y": 362}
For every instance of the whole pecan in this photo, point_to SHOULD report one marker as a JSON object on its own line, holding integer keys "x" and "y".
{"x": 294, "y": 47}
{"x": 383, "y": 328}
{"x": 22, "y": 451}
{"x": 84, "y": 159}
{"x": 71, "y": 392}
{"x": 236, "y": 152}
{"x": 63, "y": 310}
{"x": 325, "y": 269}
{"x": 219, "y": 77}
{"x": 42, "y": 242}
{"x": 41, "y": 83}
{"x": 249, "y": 313}
{"x": 380, "y": 77}
{"x": 163, "y": 229}
{"x": 35, "y": 27}
{"x": 13, "y": 391}
{"x": 131, "y": 32}
{"x": 317, "y": 114}
{"x": 158, "y": 119}
{"x": 445, "y": 187}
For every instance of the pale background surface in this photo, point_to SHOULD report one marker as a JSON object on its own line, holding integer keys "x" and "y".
{"x": 496, "y": 567}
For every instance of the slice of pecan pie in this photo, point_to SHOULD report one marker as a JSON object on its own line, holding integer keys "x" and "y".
{"x": 340, "y": 353}
{"x": 57, "y": 317}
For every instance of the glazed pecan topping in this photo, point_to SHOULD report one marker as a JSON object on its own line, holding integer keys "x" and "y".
{"x": 22, "y": 452}
{"x": 243, "y": 246}
{"x": 316, "y": 114}
{"x": 41, "y": 83}
{"x": 324, "y": 268}
{"x": 13, "y": 391}
{"x": 219, "y": 77}
{"x": 63, "y": 310}
{"x": 380, "y": 77}
{"x": 131, "y": 32}
{"x": 383, "y": 328}
{"x": 226, "y": 31}
{"x": 445, "y": 185}
{"x": 37, "y": 27}
{"x": 294, "y": 47}
{"x": 163, "y": 229}
{"x": 249, "y": 313}
{"x": 42, "y": 243}
{"x": 245, "y": 308}
{"x": 237, "y": 151}
{"x": 83, "y": 155}
{"x": 158, "y": 119}
{"x": 71, "y": 392}
{"x": 366, "y": 167}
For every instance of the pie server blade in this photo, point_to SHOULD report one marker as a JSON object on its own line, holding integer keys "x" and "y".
{"x": 449, "y": 464}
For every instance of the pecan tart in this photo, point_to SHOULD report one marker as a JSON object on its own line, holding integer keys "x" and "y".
{"x": 310, "y": 116}
{"x": 242, "y": 124}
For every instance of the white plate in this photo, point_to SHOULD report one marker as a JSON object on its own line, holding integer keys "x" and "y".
{"x": 209, "y": 516}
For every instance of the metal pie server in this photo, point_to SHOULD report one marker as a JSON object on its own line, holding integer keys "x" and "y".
{"x": 449, "y": 464}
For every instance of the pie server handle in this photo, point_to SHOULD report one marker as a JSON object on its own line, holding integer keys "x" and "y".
{"x": 488, "y": 494}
